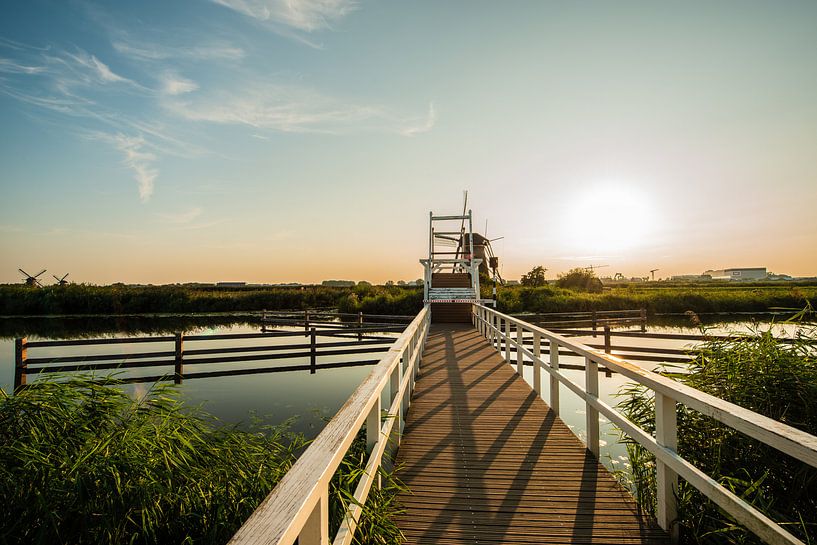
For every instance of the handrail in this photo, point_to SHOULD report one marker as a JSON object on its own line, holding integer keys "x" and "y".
{"x": 496, "y": 327}
{"x": 298, "y": 507}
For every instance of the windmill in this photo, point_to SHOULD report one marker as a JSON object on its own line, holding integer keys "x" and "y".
{"x": 61, "y": 281}
{"x": 652, "y": 273}
{"x": 31, "y": 280}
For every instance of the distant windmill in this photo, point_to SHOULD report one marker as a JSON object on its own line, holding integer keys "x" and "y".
{"x": 652, "y": 272}
{"x": 31, "y": 280}
{"x": 61, "y": 281}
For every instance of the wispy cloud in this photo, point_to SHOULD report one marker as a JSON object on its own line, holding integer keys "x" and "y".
{"x": 425, "y": 126}
{"x": 10, "y": 67}
{"x": 95, "y": 68}
{"x": 183, "y": 217}
{"x": 287, "y": 108}
{"x": 174, "y": 84}
{"x": 303, "y": 15}
{"x": 156, "y": 52}
{"x": 137, "y": 157}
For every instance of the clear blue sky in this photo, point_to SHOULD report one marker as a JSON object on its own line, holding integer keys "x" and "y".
{"x": 273, "y": 140}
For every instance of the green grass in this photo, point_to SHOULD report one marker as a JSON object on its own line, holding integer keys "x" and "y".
{"x": 773, "y": 379}
{"x": 82, "y": 462}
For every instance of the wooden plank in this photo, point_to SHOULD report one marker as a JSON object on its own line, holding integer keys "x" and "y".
{"x": 487, "y": 461}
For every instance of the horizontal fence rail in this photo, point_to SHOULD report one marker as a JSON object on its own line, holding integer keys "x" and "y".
{"x": 504, "y": 331}
{"x": 298, "y": 507}
{"x": 182, "y": 350}
{"x": 592, "y": 318}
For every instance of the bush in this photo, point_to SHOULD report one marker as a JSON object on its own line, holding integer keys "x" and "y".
{"x": 580, "y": 280}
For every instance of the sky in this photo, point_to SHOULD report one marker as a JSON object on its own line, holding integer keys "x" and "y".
{"x": 303, "y": 140}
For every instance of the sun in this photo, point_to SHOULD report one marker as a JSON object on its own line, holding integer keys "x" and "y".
{"x": 607, "y": 219}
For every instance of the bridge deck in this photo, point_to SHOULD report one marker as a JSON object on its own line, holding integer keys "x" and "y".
{"x": 487, "y": 461}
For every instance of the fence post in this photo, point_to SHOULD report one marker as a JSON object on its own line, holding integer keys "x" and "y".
{"x": 178, "y": 367}
{"x": 643, "y": 320}
{"x": 537, "y": 365}
{"x": 607, "y": 343}
{"x": 507, "y": 340}
{"x": 595, "y": 323}
{"x": 554, "y": 382}
{"x": 666, "y": 435}
{"x": 263, "y": 320}
{"x": 312, "y": 352}
{"x": 306, "y": 322}
{"x": 360, "y": 326}
{"x": 591, "y": 370}
{"x": 316, "y": 528}
{"x": 520, "y": 359}
{"x": 20, "y": 365}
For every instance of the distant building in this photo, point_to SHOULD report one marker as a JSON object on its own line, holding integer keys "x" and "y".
{"x": 691, "y": 278}
{"x": 747, "y": 273}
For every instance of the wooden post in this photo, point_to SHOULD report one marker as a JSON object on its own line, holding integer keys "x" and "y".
{"x": 20, "y": 365}
{"x": 643, "y": 320}
{"x": 520, "y": 360}
{"x": 179, "y": 358}
{"x": 306, "y": 322}
{"x": 537, "y": 365}
{"x": 595, "y": 323}
{"x": 554, "y": 382}
{"x": 607, "y": 343}
{"x": 263, "y": 320}
{"x": 360, "y": 326}
{"x": 666, "y": 434}
{"x": 316, "y": 528}
{"x": 313, "y": 356}
{"x": 373, "y": 431}
{"x": 591, "y": 370}
{"x": 507, "y": 341}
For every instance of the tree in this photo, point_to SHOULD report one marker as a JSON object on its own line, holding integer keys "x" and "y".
{"x": 580, "y": 280}
{"x": 535, "y": 278}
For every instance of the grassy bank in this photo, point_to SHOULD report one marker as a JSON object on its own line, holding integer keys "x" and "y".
{"x": 656, "y": 297}
{"x": 85, "y": 463}
{"x": 776, "y": 380}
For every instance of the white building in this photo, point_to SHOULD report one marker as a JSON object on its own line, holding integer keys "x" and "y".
{"x": 745, "y": 273}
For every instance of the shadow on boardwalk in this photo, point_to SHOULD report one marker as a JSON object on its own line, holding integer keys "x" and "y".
{"x": 487, "y": 461}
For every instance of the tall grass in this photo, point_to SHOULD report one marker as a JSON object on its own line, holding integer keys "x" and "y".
{"x": 83, "y": 462}
{"x": 773, "y": 379}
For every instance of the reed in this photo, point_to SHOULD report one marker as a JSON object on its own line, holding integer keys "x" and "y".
{"x": 773, "y": 379}
{"x": 81, "y": 461}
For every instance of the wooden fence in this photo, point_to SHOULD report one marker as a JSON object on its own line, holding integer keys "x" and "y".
{"x": 506, "y": 331}
{"x": 594, "y": 319}
{"x": 179, "y": 350}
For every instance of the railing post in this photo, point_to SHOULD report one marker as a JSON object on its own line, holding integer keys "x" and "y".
{"x": 306, "y": 322}
{"x": 360, "y": 326}
{"x": 316, "y": 529}
{"x": 507, "y": 340}
{"x": 263, "y": 320}
{"x": 313, "y": 356}
{"x": 537, "y": 365}
{"x": 179, "y": 359}
{"x": 520, "y": 360}
{"x": 607, "y": 343}
{"x": 554, "y": 382}
{"x": 394, "y": 386}
{"x": 373, "y": 430}
{"x": 591, "y": 370}
{"x": 643, "y": 320}
{"x": 666, "y": 435}
{"x": 20, "y": 365}
{"x": 595, "y": 323}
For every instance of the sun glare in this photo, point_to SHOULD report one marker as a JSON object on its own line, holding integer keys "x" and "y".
{"x": 607, "y": 219}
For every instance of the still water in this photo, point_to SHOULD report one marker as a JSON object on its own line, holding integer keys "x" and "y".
{"x": 308, "y": 400}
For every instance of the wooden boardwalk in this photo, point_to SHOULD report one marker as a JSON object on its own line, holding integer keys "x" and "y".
{"x": 487, "y": 461}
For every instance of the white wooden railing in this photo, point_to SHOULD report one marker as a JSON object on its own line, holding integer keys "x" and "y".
{"x": 298, "y": 508}
{"x": 496, "y": 327}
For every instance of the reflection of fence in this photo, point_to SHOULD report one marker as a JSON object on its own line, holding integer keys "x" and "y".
{"x": 593, "y": 319}
{"x": 175, "y": 350}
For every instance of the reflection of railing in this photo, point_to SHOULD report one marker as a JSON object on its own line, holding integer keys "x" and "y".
{"x": 298, "y": 508}
{"x": 177, "y": 353}
{"x": 504, "y": 331}
{"x": 593, "y": 319}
